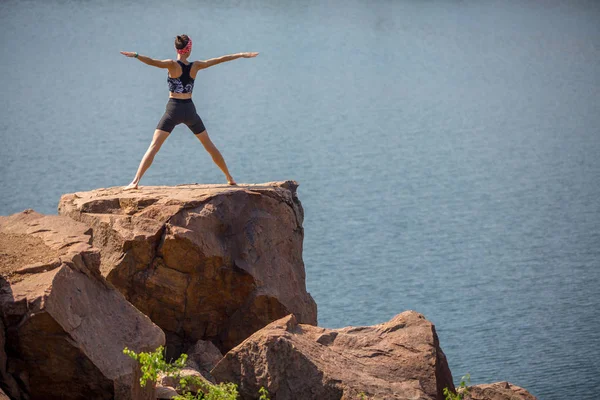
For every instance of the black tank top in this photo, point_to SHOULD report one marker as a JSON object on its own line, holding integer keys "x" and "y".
{"x": 183, "y": 84}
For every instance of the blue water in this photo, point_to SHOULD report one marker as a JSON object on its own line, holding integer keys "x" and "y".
{"x": 448, "y": 151}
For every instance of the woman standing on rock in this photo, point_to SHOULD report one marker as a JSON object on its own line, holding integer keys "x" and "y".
{"x": 180, "y": 108}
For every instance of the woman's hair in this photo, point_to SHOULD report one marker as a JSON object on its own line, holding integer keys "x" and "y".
{"x": 181, "y": 41}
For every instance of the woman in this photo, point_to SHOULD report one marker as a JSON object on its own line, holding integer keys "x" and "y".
{"x": 180, "y": 108}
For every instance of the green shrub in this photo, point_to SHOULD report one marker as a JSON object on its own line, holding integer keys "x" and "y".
{"x": 264, "y": 394}
{"x": 151, "y": 364}
{"x": 223, "y": 391}
{"x": 461, "y": 391}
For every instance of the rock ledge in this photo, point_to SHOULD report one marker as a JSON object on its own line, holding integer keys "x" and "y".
{"x": 204, "y": 262}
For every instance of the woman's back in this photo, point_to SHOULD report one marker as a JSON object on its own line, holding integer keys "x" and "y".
{"x": 184, "y": 83}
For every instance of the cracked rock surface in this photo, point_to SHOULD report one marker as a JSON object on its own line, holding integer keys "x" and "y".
{"x": 399, "y": 359}
{"x": 63, "y": 327}
{"x": 204, "y": 262}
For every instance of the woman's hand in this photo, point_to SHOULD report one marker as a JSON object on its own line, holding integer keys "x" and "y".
{"x": 249, "y": 55}
{"x": 129, "y": 53}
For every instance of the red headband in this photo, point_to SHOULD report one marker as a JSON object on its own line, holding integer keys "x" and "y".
{"x": 187, "y": 48}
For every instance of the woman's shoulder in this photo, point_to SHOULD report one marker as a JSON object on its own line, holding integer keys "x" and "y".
{"x": 199, "y": 64}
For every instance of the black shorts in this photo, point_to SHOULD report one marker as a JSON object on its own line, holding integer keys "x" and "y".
{"x": 180, "y": 111}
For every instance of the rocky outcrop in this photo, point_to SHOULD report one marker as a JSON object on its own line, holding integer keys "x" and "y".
{"x": 204, "y": 262}
{"x": 399, "y": 359}
{"x": 211, "y": 265}
{"x": 65, "y": 325}
{"x": 499, "y": 391}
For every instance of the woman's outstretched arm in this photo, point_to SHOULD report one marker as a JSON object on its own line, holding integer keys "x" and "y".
{"x": 149, "y": 61}
{"x": 222, "y": 59}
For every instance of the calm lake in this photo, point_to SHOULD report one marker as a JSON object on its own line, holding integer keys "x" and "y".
{"x": 448, "y": 152}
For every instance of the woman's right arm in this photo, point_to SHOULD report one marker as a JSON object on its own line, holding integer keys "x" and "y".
{"x": 150, "y": 61}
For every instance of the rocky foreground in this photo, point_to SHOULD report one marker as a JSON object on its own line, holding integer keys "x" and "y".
{"x": 207, "y": 270}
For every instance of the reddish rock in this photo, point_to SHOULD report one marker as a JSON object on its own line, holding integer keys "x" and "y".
{"x": 204, "y": 262}
{"x": 165, "y": 392}
{"x": 173, "y": 381}
{"x": 203, "y": 357}
{"x": 6, "y": 379}
{"x": 398, "y": 359}
{"x": 499, "y": 391}
{"x": 66, "y": 326}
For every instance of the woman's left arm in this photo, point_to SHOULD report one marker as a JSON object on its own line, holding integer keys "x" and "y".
{"x": 214, "y": 61}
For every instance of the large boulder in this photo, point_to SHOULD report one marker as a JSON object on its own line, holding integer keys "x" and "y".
{"x": 399, "y": 359}
{"x": 65, "y": 325}
{"x": 499, "y": 391}
{"x": 204, "y": 262}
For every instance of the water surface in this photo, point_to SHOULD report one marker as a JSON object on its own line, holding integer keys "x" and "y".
{"x": 448, "y": 151}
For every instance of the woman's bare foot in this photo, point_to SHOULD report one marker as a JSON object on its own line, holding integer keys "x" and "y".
{"x": 131, "y": 186}
{"x": 231, "y": 182}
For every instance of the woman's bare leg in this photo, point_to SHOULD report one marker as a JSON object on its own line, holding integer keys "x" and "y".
{"x": 216, "y": 155}
{"x": 157, "y": 141}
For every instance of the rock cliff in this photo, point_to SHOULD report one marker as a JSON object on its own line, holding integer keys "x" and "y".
{"x": 204, "y": 262}
{"x": 220, "y": 270}
{"x": 65, "y": 326}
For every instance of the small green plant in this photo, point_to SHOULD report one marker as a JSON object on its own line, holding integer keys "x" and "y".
{"x": 223, "y": 391}
{"x": 153, "y": 363}
{"x": 461, "y": 391}
{"x": 264, "y": 394}
{"x": 362, "y": 396}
